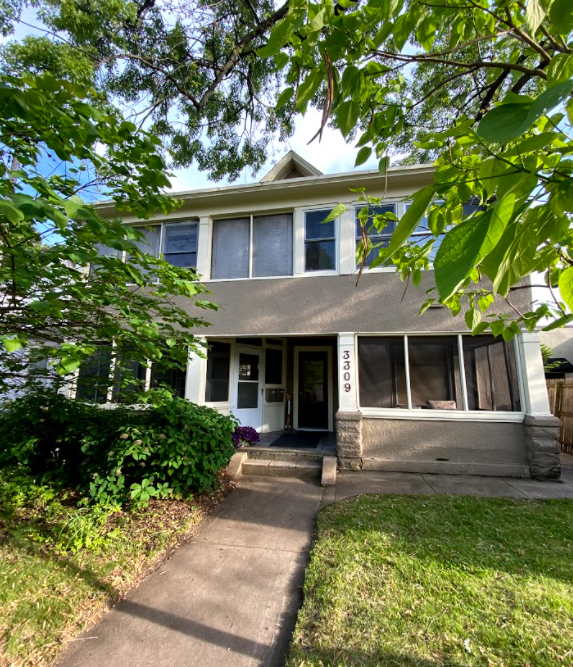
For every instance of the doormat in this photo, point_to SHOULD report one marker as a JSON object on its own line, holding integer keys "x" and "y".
{"x": 298, "y": 440}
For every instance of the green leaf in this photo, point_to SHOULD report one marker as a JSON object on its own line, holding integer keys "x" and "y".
{"x": 534, "y": 15}
{"x": 284, "y": 97}
{"x": 472, "y": 318}
{"x": 278, "y": 37}
{"x": 503, "y": 123}
{"x": 384, "y": 164}
{"x": 426, "y": 32}
{"x": 69, "y": 364}
{"x": 281, "y": 59}
{"x": 561, "y": 16}
{"x": 566, "y": 286}
{"x": 347, "y": 116}
{"x": 466, "y": 244}
{"x": 12, "y": 344}
{"x": 509, "y": 121}
{"x": 335, "y": 213}
{"x": 10, "y": 212}
{"x": 309, "y": 87}
{"x": 410, "y": 219}
{"x": 363, "y": 154}
{"x": 558, "y": 323}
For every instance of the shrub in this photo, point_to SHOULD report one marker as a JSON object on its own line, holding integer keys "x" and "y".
{"x": 172, "y": 447}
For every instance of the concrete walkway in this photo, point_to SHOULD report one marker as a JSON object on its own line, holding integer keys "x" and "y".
{"x": 228, "y": 597}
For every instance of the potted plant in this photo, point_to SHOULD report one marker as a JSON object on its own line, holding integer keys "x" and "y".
{"x": 245, "y": 436}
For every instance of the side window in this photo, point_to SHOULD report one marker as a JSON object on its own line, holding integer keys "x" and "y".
{"x": 272, "y": 245}
{"x": 378, "y": 238}
{"x": 180, "y": 244}
{"x": 319, "y": 241}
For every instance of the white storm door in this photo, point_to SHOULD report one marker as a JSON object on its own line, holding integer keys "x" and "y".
{"x": 248, "y": 390}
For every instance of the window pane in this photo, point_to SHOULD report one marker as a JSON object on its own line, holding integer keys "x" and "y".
{"x": 272, "y": 245}
{"x": 151, "y": 243}
{"x": 491, "y": 374}
{"x": 218, "y": 366}
{"x": 315, "y": 228}
{"x": 180, "y": 238}
{"x": 381, "y": 372}
{"x": 128, "y": 378}
{"x": 94, "y": 376}
{"x": 373, "y": 211}
{"x": 273, "y": 366}
{"x": 320, "y": 256}
{"x": 183, "y": 260}
{"x": 173, "y": 378}
{"x": 231, "y": 247}
{"x": 248, "y": 395}
{"x": 249, "y": 367}
{"x": 434, "y": 372}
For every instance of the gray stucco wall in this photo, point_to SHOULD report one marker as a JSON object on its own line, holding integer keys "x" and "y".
{"x": 472, "y": 447}
{"x": 328, "y": 304}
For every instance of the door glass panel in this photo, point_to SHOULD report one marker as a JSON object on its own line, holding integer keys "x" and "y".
{"x": 249, "y": 367}
{"x": 248, "y": 395}
{"x": 313, "y": 390}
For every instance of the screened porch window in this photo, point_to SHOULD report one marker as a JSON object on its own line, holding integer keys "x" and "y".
{"x": 269, "y": 254}
{"x": 319, "y": 241}
{"x": 218, "y": 370}
{"x": 380, "y": 239}
{"x": 438, "y": 373}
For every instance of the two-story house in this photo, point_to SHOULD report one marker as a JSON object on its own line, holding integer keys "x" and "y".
{"x": 297, "y": 342}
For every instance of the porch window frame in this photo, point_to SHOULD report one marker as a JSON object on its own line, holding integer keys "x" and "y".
{"x": 447, "y": 414}
{"x": 251, "y": 217}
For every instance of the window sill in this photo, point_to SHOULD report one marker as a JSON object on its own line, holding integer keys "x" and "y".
{"x": 442, "y": 415}
{"x": 306, "y": 274}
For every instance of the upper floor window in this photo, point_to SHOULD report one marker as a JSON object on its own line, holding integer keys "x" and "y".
{"x": 379, "y": 239}
{"x": 180, "y": 244}
{"x": 319, "y": 241}
{"x": 255, "y": 246}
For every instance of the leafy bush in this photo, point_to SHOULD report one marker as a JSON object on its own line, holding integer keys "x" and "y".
{"x": 171, "y": 448}
{"x": 245, "y": 436}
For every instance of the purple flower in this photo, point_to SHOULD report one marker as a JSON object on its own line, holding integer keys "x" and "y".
{"x": 245, "y": 436}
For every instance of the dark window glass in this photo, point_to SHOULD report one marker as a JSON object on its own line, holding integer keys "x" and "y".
{"x": 180, "y": 245}
{"x": 248, "y": 395}
{"x": 434, "y": 372}
{"x": 255, "y": 342}
{"x": 272, "y": 245}
{"x": 275, "y": 395}
{"x": 231, "y": 248}
{"x": 249, "y": 367}
{"x": 273, "y": 366}
{"x": 274, "y": 341}
{"x": 378, "y": 238}
{"x": 172, "y": 378}
{"x": 382, "y": 376}
{"x": 491, "y": 374}
{"x": 218, "y": 367}
{"x": 320, "y": 245}
{"x": 94, "y": 376}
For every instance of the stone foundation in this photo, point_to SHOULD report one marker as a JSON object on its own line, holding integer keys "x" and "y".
{"x": 349, "y": 439}
{"x": 543, "y": 449}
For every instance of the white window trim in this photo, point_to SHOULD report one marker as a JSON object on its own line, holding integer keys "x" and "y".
{"x": 440, "y": 415}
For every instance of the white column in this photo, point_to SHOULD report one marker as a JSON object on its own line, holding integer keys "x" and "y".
{"x": 298, "y": 241}
{"x": 204, "y": 247}
{"x": 196, "y": 378}
{"x": 536, "y": 399}
{"x": 347, "y": 376}
{"x": 347, "y": 242}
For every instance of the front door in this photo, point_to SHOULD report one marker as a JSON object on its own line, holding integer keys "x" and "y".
{"x": 248, "y": 394}
{"x": 313, "y": 389}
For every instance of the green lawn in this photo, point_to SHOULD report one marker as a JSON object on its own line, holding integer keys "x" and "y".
{"x": 418, "y": 581}
{"x": 62, "y": 566}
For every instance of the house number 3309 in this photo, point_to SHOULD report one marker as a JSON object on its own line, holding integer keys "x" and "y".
{"x": 346, "y": 370}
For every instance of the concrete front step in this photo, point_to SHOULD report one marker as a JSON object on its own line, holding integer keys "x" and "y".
{"x": 279, "y": 468}
{"x": 276, "y": 454}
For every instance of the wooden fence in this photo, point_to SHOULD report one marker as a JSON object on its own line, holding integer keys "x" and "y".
{"x": 561, "y": 404}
